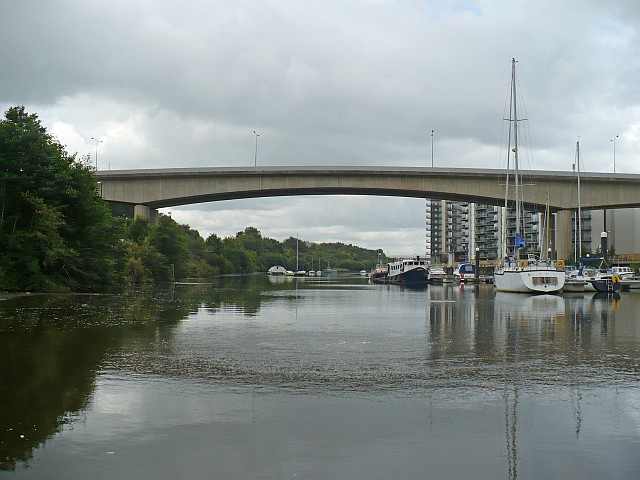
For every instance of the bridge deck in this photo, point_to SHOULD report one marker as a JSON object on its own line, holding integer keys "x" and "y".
{"x": 178, "y": 186}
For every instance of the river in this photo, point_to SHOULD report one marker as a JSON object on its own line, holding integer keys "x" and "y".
{"x": 319, "y": 378}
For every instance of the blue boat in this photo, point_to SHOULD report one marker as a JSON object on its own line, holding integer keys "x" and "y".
{"x": 414, "y": 270}
{"x": 464, "y": 272}
{"x": 607, "y": 284}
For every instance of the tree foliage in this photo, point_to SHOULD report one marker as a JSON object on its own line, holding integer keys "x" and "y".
{"x": 170, "y": 247}
{"x": 55, "y": 230}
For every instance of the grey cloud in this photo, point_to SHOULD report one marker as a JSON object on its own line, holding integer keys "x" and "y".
{"x": 325, "y": 82}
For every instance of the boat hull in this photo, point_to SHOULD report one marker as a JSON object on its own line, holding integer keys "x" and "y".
{"x": 606, "y": 285}
{"x": 415, "y": 275}
{"x": 277, "y": 270}
{"x": 575, "y": 286}
{"x": 529, "y": 281}
{"x": 630, "y": 284}
{"x": 408, "y": 271}
{"x": 379, "y": 274}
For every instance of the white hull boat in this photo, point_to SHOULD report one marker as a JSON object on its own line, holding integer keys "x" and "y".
{"x": 537, "y": 276}
{"x": 514, "y": 275}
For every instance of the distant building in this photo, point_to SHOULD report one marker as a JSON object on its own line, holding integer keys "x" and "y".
{"x": 435, "y": 230}
{"x": 487, "y": 230}
{"x": 455, "y": 229}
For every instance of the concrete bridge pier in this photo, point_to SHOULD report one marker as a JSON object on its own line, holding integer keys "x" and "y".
{"x": 144, "y": 211}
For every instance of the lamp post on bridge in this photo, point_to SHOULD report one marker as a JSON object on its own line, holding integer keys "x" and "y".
{"x": 431, "y": 148}
{"x": 255, "y": 160}
{"x": 614, "y": 152}
{"x": 97, "y": 142}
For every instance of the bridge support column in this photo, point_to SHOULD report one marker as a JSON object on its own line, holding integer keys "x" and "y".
{"x": 144, "y": 211}
{"x": 563, "y": 234}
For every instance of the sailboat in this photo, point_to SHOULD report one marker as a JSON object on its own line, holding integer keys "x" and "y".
{"x": 576, "y": 280}
{"x": 513, "y": 274}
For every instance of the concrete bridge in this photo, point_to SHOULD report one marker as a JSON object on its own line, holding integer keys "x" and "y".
{"x": 150, "y": 189}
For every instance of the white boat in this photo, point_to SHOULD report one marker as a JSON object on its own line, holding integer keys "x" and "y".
{"x": 574, "y": 285}
{"x": 328, "y": 272}
{"x": 625, "y": 273}
{"x": 517, "y": 275}
{"x": 408, "y": 270}
{"x": 529, "y": 276}
{"x": 437, "y": 275}
{"x": 628, "y": 278}
{"x": 277, "y": 270}
{"x": 363, "y": 273}
{"x": 465, "y": 272}
{"x": 630, "y": 283}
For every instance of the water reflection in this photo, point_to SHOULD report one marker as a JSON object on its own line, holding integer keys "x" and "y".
{"x": 315, "y": 337}
{"x": 51, "y": 348}
{"x": 511, "y": 431}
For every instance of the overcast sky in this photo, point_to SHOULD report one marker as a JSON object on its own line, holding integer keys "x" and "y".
{"x": 325, "y": 82}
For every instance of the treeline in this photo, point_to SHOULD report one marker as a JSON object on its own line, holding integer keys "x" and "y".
{"x": 56, "y": 233}
{"x": 169, "y": 251}
{"x": 55, "y": 230}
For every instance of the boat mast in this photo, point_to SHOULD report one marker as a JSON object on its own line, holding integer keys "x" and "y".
{"x": 548, "y": 225}
{"x": 575, "y": 240}
{"x": 515, "y": 152}
{"x": 505, "y": 209}
{"x": 579, "y": 220}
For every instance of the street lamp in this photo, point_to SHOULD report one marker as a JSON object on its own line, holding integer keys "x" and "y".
{"x": 255, "y": 160}
{"x": 97, "y": 142}
{"x": 614, "y": 152}
{"x": 478, "y": 261}
{"x": 431, "y": 148}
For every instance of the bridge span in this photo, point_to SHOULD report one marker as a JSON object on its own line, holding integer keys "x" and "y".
{"x": 150, "y": 189}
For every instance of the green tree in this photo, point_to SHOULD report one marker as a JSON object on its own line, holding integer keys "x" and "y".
{"x": 138, "y": 229}
{"x": 169, "y": 240}
{"x": 241, "y": 259}
{"x": 55, "y": 230}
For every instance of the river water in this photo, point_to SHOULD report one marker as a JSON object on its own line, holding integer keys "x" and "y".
{"x": 261, "y": 378}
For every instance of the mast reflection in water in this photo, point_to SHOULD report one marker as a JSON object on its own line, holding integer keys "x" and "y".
{"x": 319, "y": 378}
